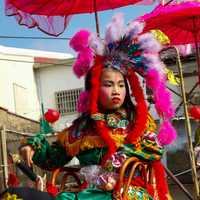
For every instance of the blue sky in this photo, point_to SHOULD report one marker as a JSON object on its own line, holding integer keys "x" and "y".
{"x": 9, "y": 27}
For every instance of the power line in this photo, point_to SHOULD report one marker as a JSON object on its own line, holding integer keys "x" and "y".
{"x": 34, "y": 38}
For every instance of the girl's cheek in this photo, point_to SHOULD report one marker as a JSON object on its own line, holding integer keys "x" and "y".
{"x": 104, "y": 93}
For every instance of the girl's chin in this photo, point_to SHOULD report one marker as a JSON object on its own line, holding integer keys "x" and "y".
{"x": 114, "y": 107}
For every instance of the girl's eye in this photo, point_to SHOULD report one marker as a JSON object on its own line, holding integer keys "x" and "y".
{"x": 121, "y": 85}
{"x": 107, "y": 85}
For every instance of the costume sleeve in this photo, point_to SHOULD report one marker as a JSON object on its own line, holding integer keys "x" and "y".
{"x": 147, "y": 147}
{"x": 147, "y": 150}
{"x": 48, "y": 156}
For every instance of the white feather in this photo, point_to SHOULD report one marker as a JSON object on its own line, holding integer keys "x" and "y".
{"x": 149, "y": 43}
{"x": 115, "y": 29}
{"x": 96, "y": 44}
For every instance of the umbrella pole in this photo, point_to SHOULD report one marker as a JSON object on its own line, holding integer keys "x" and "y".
{"x": 197, "y": 55}
{"x": 97, "y": 23}
{"x": 96, "y": 19}
{"x": 196, "y": 46}
{"x": 188, "y": 127}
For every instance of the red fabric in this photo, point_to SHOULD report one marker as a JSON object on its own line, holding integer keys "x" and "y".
{"x": 94, "y": 93}
{"x": 84, "y": 185}
{"x": 51, "y": 25}
{"x": 53, "y": 16}
{"x": 67, "y": 7}
{"x": 178, "y": 21}
{"x": 161, "y": 183}
{"x": 13, "y": 180}
{"x": 139, "y": 126}
{"x": 52, "y": 189}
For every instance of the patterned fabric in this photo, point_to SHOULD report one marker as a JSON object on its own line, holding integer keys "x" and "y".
{"x": 46, "y": 156}
{"x": 138, "y": 193}
{"x": 88, "y": 145}
{"x": 90, "y": 149}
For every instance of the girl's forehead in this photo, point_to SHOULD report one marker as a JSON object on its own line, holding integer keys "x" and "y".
{"x": 111, "y": 73}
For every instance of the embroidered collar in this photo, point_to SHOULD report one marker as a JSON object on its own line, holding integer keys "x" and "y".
{"x": 117, "y": 119}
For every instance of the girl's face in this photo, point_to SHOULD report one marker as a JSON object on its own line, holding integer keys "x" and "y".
{"x": 112, "y": 89}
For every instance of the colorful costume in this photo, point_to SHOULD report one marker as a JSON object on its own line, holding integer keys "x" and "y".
{"x": 90, "y": 149}
{"x": 103, "y": 141}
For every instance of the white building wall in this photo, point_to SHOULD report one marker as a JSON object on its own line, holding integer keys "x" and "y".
{"x": 18, "y": 70}
{"x": 53, "y": 79}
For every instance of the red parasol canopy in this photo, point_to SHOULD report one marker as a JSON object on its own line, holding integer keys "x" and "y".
{"x": 67, "y": 7}
{"x": 52, "y": 16}
{"x": 179, "y": 21}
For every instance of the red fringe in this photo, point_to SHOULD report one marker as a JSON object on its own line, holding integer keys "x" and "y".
{"x": 139, "y": 125}
{"x": 94, "y": 93}
{"x": 161, "y": 183}
{"x": 95, "y": 83}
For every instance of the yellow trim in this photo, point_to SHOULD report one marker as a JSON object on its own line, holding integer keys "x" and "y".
{"x": 85, "y": 143}
{"x": 9, "y": 196}
{"x": 151, "y": 125}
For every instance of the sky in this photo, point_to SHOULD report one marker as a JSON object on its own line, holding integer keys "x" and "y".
{"x": 9, "y": 27}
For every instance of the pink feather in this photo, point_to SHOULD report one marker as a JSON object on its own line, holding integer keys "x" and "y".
{"x": 83, "y": 62}
{"x": 83, "y": 102}
{"x": 80, "y": 40}
{"x": 167, "y": 133}
{"x": 163, "y": 101}
{"x": 162, "y": 96}
{"x": 153, "y": 78}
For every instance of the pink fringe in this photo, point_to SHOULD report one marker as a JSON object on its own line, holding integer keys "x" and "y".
{"x": 162, "y": 96}
{"x": 153, "y": 79}
{"x": 83, "y": 62}
{"x": 163, "y": 102}
{"x": 83, "y": 102}
{"x": 80, "y": 40}
{"x": 167, "y": 133}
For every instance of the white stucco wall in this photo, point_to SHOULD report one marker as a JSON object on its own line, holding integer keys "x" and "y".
{"x": 53, "y": 79}
{"x": 16, "y": 69}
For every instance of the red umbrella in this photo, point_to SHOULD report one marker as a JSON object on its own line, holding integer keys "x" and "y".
{"x": 179, "y": 21}
{"x": 52, "y": 16}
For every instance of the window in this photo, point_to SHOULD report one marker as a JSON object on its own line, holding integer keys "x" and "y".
{"x": 21, "y": 99}
{"x": 66, "y": 100}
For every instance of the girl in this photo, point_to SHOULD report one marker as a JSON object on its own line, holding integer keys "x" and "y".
{"x": 111, "y": 127}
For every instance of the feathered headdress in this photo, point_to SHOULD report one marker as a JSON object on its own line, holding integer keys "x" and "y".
{"x": 128, "y": 50}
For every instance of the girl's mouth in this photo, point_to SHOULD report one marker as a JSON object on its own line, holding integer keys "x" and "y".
{"x": 116, "y": 100}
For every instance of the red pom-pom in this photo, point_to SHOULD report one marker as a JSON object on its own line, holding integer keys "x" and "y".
{"x": 51, "y": 115}
{"x": 52, "y": 189}
{"x": 195, "y": 112}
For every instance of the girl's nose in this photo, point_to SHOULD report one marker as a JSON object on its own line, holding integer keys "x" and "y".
{"x": 115, "y": 90}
